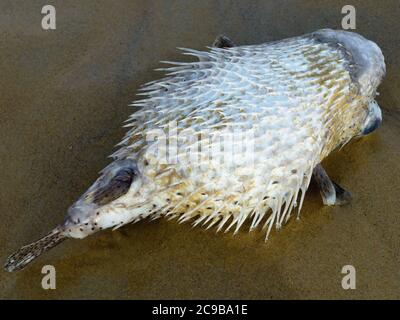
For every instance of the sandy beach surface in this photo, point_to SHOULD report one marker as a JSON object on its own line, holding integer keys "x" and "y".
{"x": 64, "y": 96}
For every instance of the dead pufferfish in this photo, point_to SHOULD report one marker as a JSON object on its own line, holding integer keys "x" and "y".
{"x": 294, "y": 101}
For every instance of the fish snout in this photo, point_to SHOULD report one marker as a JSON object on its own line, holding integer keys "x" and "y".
{"x": 110, "y": 193}
{"x": 79, "y": 221}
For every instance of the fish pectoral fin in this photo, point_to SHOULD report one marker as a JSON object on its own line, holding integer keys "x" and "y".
{"x": 343, "y": 196}
{"x": 19, "y": 259}
{"x": 332, "y": 194}
{"x": 223, "y": 41}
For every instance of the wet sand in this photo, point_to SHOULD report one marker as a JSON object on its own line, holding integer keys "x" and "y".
{"x": 64, "y": 96}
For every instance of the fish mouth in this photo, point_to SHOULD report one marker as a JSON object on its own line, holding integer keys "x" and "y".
{"x": 373, "y": 120}
{"x": 372, "y": 126}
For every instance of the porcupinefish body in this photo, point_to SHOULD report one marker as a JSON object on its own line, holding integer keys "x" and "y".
{"x": 233, "y": 136}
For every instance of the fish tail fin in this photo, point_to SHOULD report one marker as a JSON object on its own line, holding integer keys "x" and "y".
{"x": 19, "y": 259}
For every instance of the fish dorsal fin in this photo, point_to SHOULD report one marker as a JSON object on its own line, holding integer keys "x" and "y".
{"x": 223, "y": 41}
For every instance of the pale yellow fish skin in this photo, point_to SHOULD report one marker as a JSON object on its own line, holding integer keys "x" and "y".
{"x": 297, "y": 99}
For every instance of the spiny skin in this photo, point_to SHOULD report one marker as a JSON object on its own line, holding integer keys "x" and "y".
{"x": 298, "y": 97}
{"x": 294, "y": 100}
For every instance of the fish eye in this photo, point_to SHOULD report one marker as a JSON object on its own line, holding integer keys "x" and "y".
{"x": 115, "y": 186}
